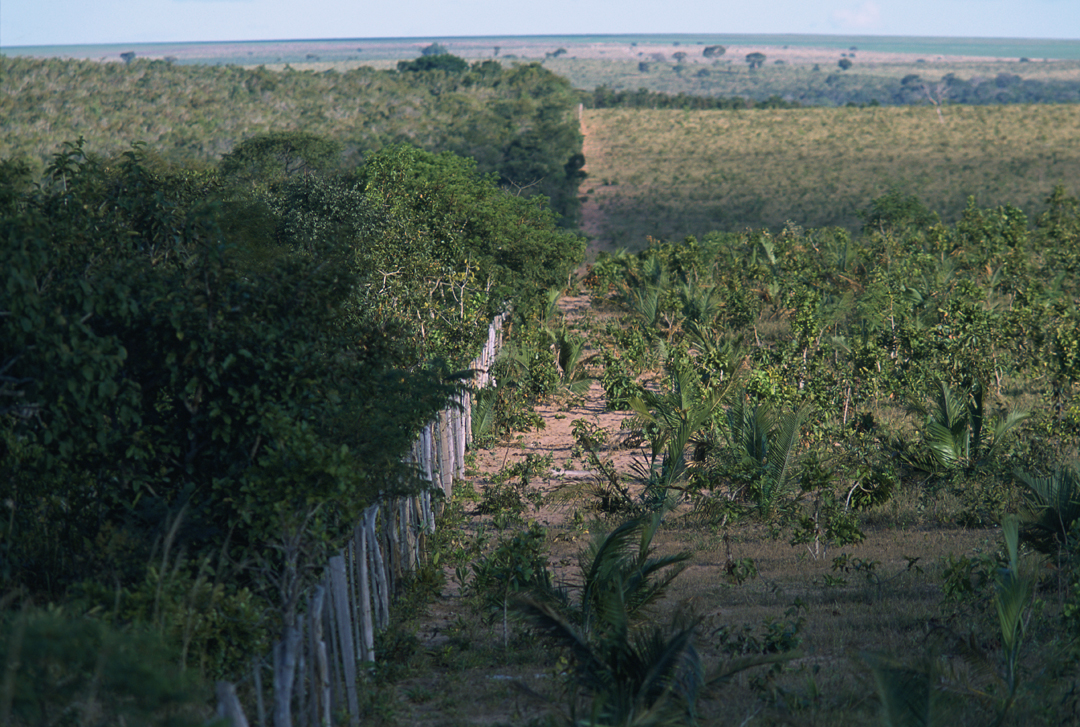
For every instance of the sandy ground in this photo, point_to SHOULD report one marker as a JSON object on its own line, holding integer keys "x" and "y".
{"x": 556, "y": 438}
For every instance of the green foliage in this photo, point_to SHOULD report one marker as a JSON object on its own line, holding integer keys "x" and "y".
{"x": 517, "y": 122}
{"x": 767, "y": 445}
{"x": 159, "y": 358}
{"x": 955, "y": 431}
{"x": 672, "y": 419}
{"x": 829, "y": 522}
{"x": 1052, "y": 507}
{"x": 777, "y": 636}
{"x": 635, "y": 673}
{"x": 755, "y": 60}
{"x": 428, "y": 62}
{"x": 509, "y": 494}
{"x": 619, "y": 386}
{"x": 275, "y": 156}
{"x": 444, "y": 208}
{"x": 61, "y": 669}
{"x": 517, "y": 564}
{"x": 928, "y": 694}
{"x": 910, "y": 695}
{"x": 897, "y": 213}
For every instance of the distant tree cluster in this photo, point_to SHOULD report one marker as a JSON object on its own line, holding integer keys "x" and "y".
{"x": 606, "y": 98}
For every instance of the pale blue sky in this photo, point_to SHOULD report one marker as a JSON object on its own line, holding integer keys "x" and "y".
{"x": 68, "y": 22}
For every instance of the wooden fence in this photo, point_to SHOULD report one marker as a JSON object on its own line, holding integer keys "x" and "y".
{"x": 314, "y": 668}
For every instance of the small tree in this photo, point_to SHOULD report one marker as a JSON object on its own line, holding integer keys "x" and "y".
{"x": 845, "y": 63}
{"x": 435, "y": 49}
{"x": 441, "y": 62}
{"x": 714, "y": 51}
{"x": 756, "y": 60}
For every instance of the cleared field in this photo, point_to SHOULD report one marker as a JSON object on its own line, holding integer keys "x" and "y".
{"x": 669, "y": 174}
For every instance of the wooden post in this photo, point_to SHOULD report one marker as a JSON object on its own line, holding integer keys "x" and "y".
{"x": 466, "y": 403}
{"x": 378, "y": 570}
{"x": 367, "y": 628}
{"x": 320, "y": 684}
{"x": 459, "y": 440}
{"x": 333, "y": 649}
{"x": 339, "y": 587}
{"x": 260, "y": 705}
{"x": 228, "y": 706}
{"x": 284, "y": 675}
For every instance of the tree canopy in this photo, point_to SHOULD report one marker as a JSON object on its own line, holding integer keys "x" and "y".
{"x": 234, "y": 363}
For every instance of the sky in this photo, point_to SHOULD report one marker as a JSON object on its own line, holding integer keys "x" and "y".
{"x": 78, "y": 22}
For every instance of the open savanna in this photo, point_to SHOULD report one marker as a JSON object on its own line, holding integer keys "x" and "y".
{"x": 668, "y": 173}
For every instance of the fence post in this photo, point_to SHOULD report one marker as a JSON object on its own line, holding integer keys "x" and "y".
{"x": 339, "y": 587}
{"x": 284, "y": 675}
{"x": 320, "y": 683}
{"x": 228, "y": 707}
{"x": 367, "y": 629}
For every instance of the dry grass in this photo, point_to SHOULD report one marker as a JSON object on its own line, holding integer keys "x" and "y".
{"x": 673, "y": 173}
{"x": 463, "y": 676}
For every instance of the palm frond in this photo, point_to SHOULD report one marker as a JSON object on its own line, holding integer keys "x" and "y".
{"x": 907, "y": 694}
{"x": 1051, "y": 506}
{"x": 784, "y": 446}
{"x": 1002, "y": 428}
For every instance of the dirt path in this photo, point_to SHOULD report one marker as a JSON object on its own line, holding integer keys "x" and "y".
{"x": 556, "y": 439}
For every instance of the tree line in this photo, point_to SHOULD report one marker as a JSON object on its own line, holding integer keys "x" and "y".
{"x": 517, "y": 122}
{"x": 206, "y": 374}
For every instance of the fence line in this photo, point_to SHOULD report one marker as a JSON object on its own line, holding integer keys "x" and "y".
{"x": 315, "y": 664}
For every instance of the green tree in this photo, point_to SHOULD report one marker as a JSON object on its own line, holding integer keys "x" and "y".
{"x": 756, "y": 60}
{"x": 259, "y": 400}
{"x": 278, "y": 155}
{"x": 435, "y": 62}
{"x": 435, "y": 49}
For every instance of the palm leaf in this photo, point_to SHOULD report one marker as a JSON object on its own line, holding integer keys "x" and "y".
{"x": 484, "y": 414}
{"x": 782, "y": 449}
{"x": 1052, "y": 505}
{"x": 1003, "y": 426}
{"x": 908, "y": 695}
{"x": 947, "y": 447}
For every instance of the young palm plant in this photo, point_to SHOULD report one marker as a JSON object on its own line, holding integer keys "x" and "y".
{"x": 637, "y": 671}
{"x": 956, "y": 432}
{"x": 572, "y": 363}
{"x": 673, "y": 418}
{"x": 768, "y": 444}
{"x": 646, "y": 291}
{"x": 636, "y": 674}
{"x": 929, "y": 694}
{"x": 1052, "y": 506}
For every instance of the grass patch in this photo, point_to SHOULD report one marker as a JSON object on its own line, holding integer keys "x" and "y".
{"x": 669, "y": 174}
